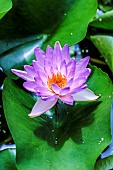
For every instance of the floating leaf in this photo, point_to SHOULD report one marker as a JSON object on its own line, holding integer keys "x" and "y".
{"x": 40, "y": 16}
{"x": 7, "y": 43}
{"x": 105, "y": 21}
{"x": 105, "y": 164}
{"x": 73, "y": 27}
{"x": 63, "y": 20}
{"x": 104, "y": 44}
{"x": 5, "y": 6}
{"x": 7, "y": 159}
{"x": 66, "y": 136}
{"x": 30, "y": 18}
{"x": 19, "y": 56}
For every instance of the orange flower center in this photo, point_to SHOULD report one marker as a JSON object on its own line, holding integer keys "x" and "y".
{"x": 58, "y": 79}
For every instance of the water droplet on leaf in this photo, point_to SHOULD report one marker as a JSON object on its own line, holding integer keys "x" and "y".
{"x": 102, "y": 139}
{"x": 100, "y": 19}
{"x": 56, "y": 142}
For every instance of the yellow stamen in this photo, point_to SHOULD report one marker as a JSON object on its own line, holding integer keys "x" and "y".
{"x": 58, "y": 79}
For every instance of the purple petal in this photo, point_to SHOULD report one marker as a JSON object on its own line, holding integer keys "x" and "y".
{"x": 30, "y": 70}
{"x": 63, "y": 68}
{"x": 65, "y": 53}
{"x": 54, "y": 69}
{"x": 49, "y": 52}
{"x": 38, "y": 66}
{"x": 43, "y": 91}
{"x": 71, "y": 63}
{"x": 69, "y": 83}
{"x": 68, "y": 99}
{"x": 77, "y": 83}
{"x": 83, "y": 73}
{"x": 57, "y": 57}
{"x": 78, "y": 89}
{"x": 85, "y": 95}
{"x": 57, "y": 46}
{"x": 47, "y": 68}
{"x": 50, "y": 98}
{"x": 71, "y": 74}
{"x": 38, "y": 81}
{"x": 82, "y": 63}
{"x": 56, "y": 88}
{"x": 64, "y": 91}
{"x": 23, "y": 74}
{"x": 30, "y": 85}
{"x": 43, "y": 77}
{"x": 40, "y": 55}
{"x": 71, "y": 66}
{"x": 41, "y": 107}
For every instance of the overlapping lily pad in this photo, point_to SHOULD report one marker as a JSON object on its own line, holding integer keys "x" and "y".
{"x": 65, "y": 21}
{"x": 106, "y": 163}
{"x": 7, "y": 159}
{"x": 19, "y": 56}
{"x": 105, "y": 21}
{"x": 73, "y": 26}
{"x": 66, "y": 137}
{"x": 104, "y": 44}
{"x": 5, "y": 6}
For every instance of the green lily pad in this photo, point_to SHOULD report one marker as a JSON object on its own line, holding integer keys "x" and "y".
{"x": 5, "y": 6}
{"x": 105, "y": 164}
{"x": 62, "y": 20}
{"x": 19, "y": 56}
{"x": 28, "y": 19}
{"x": 74, "y": 24}
{"x": 105, "y": 21}
{"x": 9, "y": 42}
{"x": 104, "y": 44}
{"x": 7, "y": 159}
{"x": 66, "y": 137}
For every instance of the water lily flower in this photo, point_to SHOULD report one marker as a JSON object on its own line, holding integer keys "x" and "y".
{"x": 55, "y": 76}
